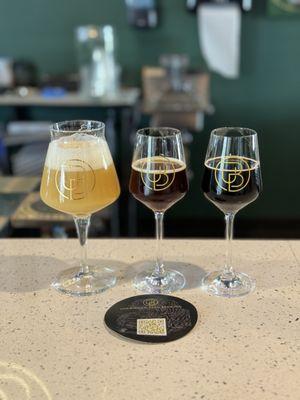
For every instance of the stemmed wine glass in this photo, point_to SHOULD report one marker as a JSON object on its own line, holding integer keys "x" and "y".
{"x": 79, "y": 178}
{"x": 232, "y": 179}
{"x": 158, "y": 180}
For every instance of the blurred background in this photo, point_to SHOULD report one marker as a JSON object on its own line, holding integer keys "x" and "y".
{"x": 194, "y": 65}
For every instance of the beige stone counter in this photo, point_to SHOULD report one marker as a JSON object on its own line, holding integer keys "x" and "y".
{"x": 57, "y": 347}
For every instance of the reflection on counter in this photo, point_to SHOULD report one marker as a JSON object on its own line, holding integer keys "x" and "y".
{"x": 18, "y": 382}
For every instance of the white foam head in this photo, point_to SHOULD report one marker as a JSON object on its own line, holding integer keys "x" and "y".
{"x": 90, "y": 149}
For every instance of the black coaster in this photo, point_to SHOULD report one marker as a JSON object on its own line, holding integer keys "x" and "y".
{"x": 152, "y": 318}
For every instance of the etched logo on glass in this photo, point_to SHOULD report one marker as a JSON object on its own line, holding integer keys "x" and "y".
{"x": 75, "y": 179}
{"x": 232, "y": 173}
{"x": 161, "y": 176}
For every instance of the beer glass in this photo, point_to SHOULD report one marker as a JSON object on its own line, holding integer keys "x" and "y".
{"x": 158, "y": 180}
{"x": 231, "y": 180}
{"x": 79, "y": 178}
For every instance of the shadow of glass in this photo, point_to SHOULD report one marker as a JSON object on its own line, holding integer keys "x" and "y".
{"x": 281, "y": 275}
{"x": 118, "y": 268}
{"x": 28, "y": 273}
{"x": 21, "y": 274}
{"x": 193, "y": 274}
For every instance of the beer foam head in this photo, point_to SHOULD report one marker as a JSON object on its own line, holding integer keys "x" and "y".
{"x": 87, "y": 148}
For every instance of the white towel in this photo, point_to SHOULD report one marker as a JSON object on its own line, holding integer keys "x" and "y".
{"x": 219, "y": 28}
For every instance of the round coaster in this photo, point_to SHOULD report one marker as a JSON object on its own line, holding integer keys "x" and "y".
{"x": 152, "y": 318}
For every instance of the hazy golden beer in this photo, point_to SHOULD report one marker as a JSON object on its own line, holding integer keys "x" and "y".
{"x": 79, "y": 177}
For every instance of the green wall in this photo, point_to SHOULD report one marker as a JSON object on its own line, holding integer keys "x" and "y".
{"x": 266, "y": 97}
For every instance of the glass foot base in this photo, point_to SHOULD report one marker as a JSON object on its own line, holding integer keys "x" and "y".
{"x": 147, "y": 283}
{"x": 240, "y": 285}
{"x": 76, "y": 283}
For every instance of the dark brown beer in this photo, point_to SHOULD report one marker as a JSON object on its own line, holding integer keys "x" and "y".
{"x": 231, "y": 182}
{"x": 158, "y": 182}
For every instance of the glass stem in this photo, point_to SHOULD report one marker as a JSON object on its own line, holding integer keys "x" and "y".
{"x": 159, "y": 271}
{"x": 228, "y": 273}
{"x": 82, "y": 227}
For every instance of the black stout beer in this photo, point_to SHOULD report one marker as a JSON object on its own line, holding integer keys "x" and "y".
{"x": 231, "y": 182}
{"x": 158, "y": 182}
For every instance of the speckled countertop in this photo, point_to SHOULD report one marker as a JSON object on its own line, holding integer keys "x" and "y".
{"x": 56, "y": 347}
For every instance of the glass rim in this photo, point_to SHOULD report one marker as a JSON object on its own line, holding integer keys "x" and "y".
{"x": 56, "y": 127}
{"x": 172, "y": 132}
{"x": 248, "y": 132}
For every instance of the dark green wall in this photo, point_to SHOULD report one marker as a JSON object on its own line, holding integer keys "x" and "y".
{"x": 266, "y": 97}
{"x": 44, "y": 31}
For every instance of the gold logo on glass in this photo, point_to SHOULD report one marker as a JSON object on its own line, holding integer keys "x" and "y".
{"x": 161, "y": 176}
{"x": 232, "y": 173}
{"x": 75, "y": 179}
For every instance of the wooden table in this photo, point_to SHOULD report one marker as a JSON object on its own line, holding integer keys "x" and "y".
{"x": 18, "y": 184}
{"x": 56, "y": 347}
{"x": 12, "y": 191}
{"x": 125, "y": 97}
